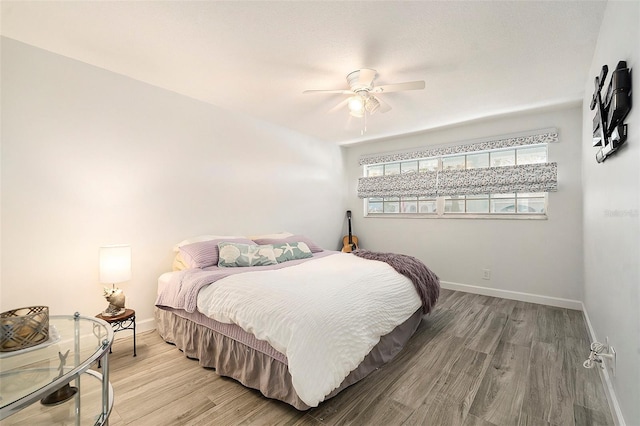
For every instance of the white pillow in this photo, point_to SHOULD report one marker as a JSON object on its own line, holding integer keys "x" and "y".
{"x": 202, "y": 238}
{"x": 276, "y": 236}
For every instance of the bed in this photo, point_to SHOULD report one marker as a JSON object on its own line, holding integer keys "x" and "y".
{"x": 280, "y": 314}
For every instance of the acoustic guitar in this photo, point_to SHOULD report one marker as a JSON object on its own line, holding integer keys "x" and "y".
{"x": 349, "y": 242}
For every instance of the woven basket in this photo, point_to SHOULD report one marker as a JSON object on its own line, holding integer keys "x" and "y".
{"x": 24, "y": 327}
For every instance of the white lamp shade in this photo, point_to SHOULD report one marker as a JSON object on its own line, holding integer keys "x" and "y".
{"x": 356, "y": 104}
{"x": 115, "y": 264}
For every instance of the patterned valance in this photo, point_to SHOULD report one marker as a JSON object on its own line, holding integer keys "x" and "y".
{"x": 492, "y": 180}
{"x": 534, "y": 138}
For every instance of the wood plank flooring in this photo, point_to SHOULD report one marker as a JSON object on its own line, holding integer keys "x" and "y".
{"x": 475, "y": 361}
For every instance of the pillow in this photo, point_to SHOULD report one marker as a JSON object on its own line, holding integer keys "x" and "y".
{"x": 276, "y": 236}
{"x": 238, "y": 254}
{"x": 291, "y": 251}
{"x": 179, "y": 263}
{"x": 202, "y": 238}
{"x": 291, "y": 239}
{"x": 205, "y": 253}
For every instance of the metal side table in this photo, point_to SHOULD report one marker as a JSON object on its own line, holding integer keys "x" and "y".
{"x": 124, "y": 321}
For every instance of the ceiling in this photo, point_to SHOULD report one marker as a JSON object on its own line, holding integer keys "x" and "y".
{"x": 478, "y": 59}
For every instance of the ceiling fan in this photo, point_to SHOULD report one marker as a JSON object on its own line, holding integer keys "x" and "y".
{"x": 362, "y": 93}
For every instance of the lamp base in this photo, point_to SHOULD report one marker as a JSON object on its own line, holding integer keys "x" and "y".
{"x": 63, "y": 394}
{"x": 109, "y": 312}
{"x": 116, "y": 299}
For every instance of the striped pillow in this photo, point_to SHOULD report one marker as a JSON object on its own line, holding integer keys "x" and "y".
{"x": 201, "y": 238}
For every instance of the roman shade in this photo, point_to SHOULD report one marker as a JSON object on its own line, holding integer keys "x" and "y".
{"x": 405, "y": 185}
{"x": 499, "y": 180}
{"x": 541, "y": 177}
{"x": 491, "y": 180}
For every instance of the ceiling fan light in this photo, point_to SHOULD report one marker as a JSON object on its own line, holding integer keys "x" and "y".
{"x": 372, "y": 105}
{"x": 357, "y": 114}
{"x": 356, "y": 105}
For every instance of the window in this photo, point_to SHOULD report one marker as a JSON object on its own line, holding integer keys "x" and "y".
{"x": 523, "y": 203}
{"x": 447, "y": 185}
{"x": 408, "y": 205}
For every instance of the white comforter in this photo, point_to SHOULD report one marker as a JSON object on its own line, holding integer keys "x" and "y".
{"x": 325, "y": 315}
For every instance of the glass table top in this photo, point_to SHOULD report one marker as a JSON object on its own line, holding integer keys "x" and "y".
{"x": 74, "y": 343}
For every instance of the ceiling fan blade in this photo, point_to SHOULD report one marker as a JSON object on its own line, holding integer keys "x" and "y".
{"x": 343, "y": 92}
{"x": 366, "y": 77}
{"x": 340, "y": 105}
{"x": 384, "y": 107}
{"x": 410, "y": 85}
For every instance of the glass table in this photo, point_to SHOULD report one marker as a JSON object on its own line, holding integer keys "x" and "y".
{"x": 44, "y": 372}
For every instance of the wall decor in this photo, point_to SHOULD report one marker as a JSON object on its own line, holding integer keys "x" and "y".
{"x": 609, "y": 131}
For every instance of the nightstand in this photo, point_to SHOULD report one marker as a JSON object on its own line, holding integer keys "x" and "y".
{"x": 124, "y": 321}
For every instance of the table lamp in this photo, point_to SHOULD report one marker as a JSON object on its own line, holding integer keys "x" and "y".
{"x": 115, "y": 267}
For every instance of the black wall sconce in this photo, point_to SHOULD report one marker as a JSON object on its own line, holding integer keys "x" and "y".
{"x": 609, "y": 131}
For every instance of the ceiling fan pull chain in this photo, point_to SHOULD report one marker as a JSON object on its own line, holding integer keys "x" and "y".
{"x": 364, "y": 124}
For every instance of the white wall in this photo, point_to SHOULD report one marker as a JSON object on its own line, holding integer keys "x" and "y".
{"x": 611, "y": 218}
{"x": 90, "y": 158}
{"x": 539, "y": 257}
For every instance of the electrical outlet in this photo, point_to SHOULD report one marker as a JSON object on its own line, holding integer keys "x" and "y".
{"x": 609, "y": 357}
{"x": 486, "y": 274}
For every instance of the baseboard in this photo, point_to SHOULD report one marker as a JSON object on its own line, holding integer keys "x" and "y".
{"x": 141, "y": 326}
{"x": 514, "y": 295}
{"x": 614, "y": 406}
{"x": 146, "y": 325}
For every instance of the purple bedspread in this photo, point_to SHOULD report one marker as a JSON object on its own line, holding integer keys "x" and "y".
{"x": 427, "y": 283}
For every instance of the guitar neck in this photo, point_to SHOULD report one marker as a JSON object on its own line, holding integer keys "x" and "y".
{"x": 349, "y": 220}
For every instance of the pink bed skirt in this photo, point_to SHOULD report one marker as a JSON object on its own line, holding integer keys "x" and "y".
{"x": 234, "y": 353}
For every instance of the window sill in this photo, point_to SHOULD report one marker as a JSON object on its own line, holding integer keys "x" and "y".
{"x": 498, "y": 216}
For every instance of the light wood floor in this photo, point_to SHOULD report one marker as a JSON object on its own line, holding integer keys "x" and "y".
{"x": 475, "y": 361}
